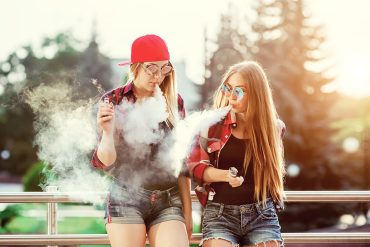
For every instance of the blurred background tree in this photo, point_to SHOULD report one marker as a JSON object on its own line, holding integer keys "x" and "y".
{"x": 59, "y": 59}
{"x": 285, "y": 41}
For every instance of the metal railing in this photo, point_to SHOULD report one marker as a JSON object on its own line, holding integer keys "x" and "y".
{"x": 52, "y": 238}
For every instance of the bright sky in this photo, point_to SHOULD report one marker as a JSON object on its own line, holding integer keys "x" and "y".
{"x": 181, "y": 24}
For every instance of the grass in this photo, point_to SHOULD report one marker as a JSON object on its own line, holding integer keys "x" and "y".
{"x": 70, "y": 225}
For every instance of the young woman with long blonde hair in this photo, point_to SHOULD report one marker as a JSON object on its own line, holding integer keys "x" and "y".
{"x": 146, "y": 197}
{"x": 238, "y": 164}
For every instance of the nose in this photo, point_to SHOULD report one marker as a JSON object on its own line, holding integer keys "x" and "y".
{"x": 158, "y": 74}
{"x": 232, "y": 96}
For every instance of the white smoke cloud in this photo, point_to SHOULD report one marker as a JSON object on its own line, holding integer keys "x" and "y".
{"x": 138, "y": 122}
{"x": 66, "y": 136}
{"x": 181, "y": 140}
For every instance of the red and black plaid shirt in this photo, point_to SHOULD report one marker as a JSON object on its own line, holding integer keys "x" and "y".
{"x": 206, "y": 153}
{"x": 116, "y": 96}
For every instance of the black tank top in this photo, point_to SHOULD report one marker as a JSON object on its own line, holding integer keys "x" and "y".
{"x": 232, "y": 154}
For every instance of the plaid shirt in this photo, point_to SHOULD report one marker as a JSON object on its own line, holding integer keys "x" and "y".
{"x": 207, "y": 150}
{"x": 116, "y": 96}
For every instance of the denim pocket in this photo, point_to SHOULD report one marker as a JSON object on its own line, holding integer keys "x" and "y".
{"x": 212, "y": 212}
{"x": 268, "y": 213}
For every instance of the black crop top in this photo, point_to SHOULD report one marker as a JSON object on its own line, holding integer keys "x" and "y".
{"x": 232, "y": 154}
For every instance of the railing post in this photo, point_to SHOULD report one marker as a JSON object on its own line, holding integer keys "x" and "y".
{"x": 51, "y": 216}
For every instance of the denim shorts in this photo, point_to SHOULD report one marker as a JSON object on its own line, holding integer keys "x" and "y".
{"x": 247, "y": 224}
{"x": 141, "y": 206}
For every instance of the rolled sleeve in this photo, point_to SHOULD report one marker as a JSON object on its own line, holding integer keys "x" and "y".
{"x": 96, "y": 162}
{"x": 197, "y": 162}
{"x": 198, "y": 173}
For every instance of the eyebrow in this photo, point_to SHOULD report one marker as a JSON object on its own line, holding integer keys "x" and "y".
{"x": 241, "y": 85}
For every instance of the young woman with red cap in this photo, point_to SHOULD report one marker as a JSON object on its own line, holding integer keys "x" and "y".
{"x": 238, "y": 164}
{"x": 160, "y": 205}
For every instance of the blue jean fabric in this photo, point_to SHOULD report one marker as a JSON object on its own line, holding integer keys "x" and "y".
{"x": 247, "y": 224}
{"x": 141, "y": 206}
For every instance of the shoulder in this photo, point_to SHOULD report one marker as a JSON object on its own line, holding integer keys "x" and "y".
{"x": 115, "y": 95}
{"x": 181, "y": 106}
{"x": 180, "y": 101}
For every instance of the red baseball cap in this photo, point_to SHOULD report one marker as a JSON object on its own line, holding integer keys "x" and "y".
{"x": 148, "y": 48}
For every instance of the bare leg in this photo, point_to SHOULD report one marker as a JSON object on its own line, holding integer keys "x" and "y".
{"x": 217, "y": 243}
{"x": 168, "y": 234}
{"x": 121, "y": 235}
{"x": 272, "y": 243}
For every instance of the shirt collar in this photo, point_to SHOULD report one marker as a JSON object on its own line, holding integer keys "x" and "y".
{"x": 128, "y": 88}
{"x": 230, "y": 118}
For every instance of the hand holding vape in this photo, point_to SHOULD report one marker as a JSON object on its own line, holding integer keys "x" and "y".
{"x": 233, "y": 172}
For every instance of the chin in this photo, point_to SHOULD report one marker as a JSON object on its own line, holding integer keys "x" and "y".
{"x": 238, "y": 110}
{"x": 235, "y": 109}
{"x": 150, "y": 88}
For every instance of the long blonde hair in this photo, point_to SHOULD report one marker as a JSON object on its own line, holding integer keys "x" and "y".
{"x": 265, "y": 146}
{"x": 169, "y": 89}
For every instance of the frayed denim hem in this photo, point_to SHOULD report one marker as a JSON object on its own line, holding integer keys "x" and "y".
{"x": 279, "y": 243}
{"x": 210, "y": 238}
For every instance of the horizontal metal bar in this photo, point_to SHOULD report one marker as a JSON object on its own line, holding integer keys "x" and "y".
{"x": 57, "y": 239}
{"x": 349, "y": 237}
{"x": 47, "y": 196}
{"x": 327, "y": 196}
{"x": 291, "y": 196}
{"x": 290, "y": 238}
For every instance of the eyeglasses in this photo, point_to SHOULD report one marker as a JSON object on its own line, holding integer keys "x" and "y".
{"x": 152, "y": 69}
{"x": 238, "y": 92}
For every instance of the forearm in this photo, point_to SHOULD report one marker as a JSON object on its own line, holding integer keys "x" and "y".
{"x": 212, "y": 175}
{"x": 185, "y": 189}
{"x": 106, "y": 150}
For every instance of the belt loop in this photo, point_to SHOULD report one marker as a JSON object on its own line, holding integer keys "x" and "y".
{"x": 221, "y": 209}
{"x": 258, "y": 206}
{"x": 169, "y": 198}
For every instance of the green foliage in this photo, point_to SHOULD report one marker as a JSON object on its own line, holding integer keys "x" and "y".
{"x": 35, "y": 176}
{"x": 82, "y": 225}
{"x": 7, "y": 215}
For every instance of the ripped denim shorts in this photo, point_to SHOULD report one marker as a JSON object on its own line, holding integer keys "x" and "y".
{"x": 141, "y": 206}
{"x": 247, "y": 224}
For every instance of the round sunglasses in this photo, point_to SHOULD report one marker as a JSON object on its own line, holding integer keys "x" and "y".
{"x": 152, "y": 69}
{"x": 237, "y": 92}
